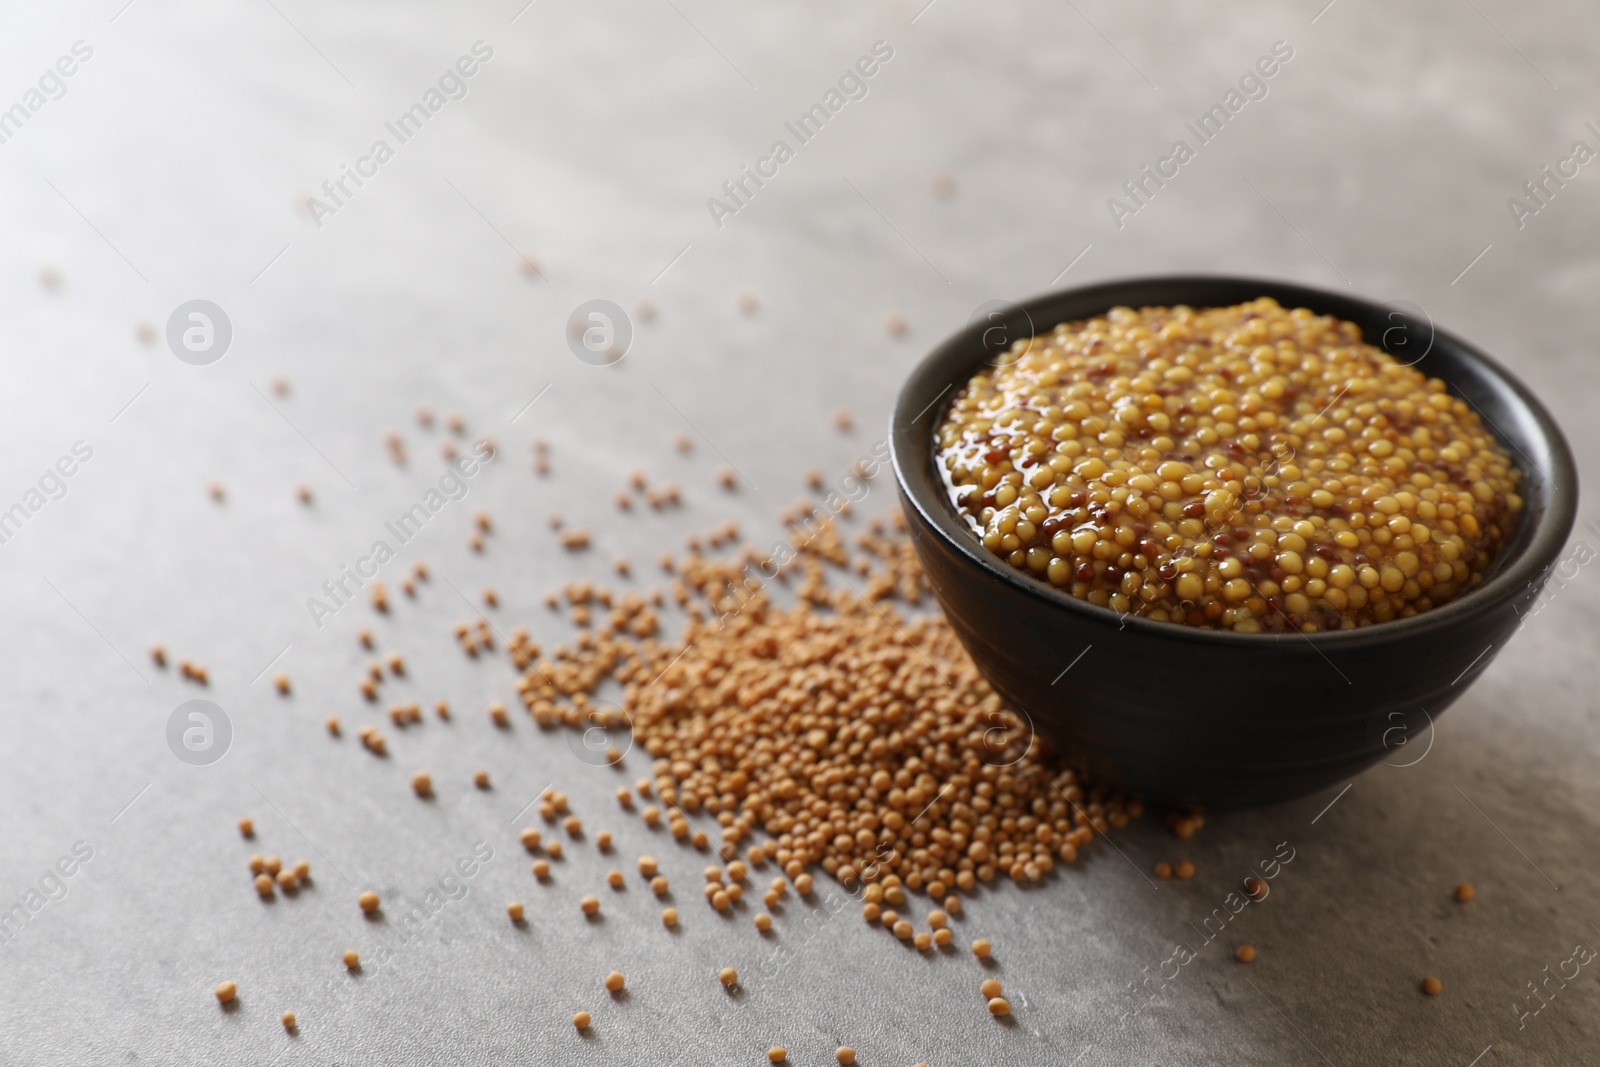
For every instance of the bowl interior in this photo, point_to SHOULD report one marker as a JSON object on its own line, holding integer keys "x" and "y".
{"x": 1403, "y": 329}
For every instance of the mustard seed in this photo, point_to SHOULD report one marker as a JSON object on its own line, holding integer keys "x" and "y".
{"x": 990, "y": 989}
{"x": 845, "y": 1055}
{"x": 802, "y": 885}
{"x": 529, "y": 838}
{"x": 1163, "y": 869}
{"x": 287, "y": 881}
{"x": 902, "y": 930}
{"x": 302, "y": 870}
{"x": 422, "y": 784}
{"x": 669, "y": 917}
{"x": 1364, "y": 516}
{"x": 981, "y": 949}
{"x": 226, "y": 991}
{"x": 159, "y": 655}
{"x": 763, "y": 921}
{"x": 770, "y": 898}
{"x": 1465, "y": 892}
{"x": 553, "y": 849}
{"x": 281, "y": 682}
{"x": 1245, "y": 954}
{"x": 333, "y": 725}
{"x": 352, "y": 960}
{"x": 719, "y": 900}
{"x": 590, "y": 905}
{"x": 1432, "y": 986}
{"x": 777, "y": 1055}
{"x": 615, "y": 880}
{"x": 581, "y": 1020}
{"x": 369, "y": 901}
{"x": 923, "y": 941}
{"x": 728, "y": 976}
{"x": 573, "y": 826}
{"x": 942, "y": 937}
{"x": 247, "y": 828}
{"x": 289, "y": 1021}
{"x": 1184, "y": 869}
{"x": 614, "y": 982}
{"x": 272, "y": 865}
{"x": 515, "y": 911}
{"x": 999, "y": 1006}
{"x": 658, "y": 885}
{"x": 264, "y": 884}
{"x": 481, "y": 779}
{"x": 258, "y": 863}
{"x": 937, "y": 919}
{"x": 871, "y": 912}
{"x": 541, "y": 869}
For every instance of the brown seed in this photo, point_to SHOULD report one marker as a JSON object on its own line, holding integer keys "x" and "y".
{"x": 990, "y": 989}
{"x": 581, "y": 1020}
{"x": 302, "y": 870}
{"x": 763, "y": 921}
{"x": 728, "y": 976}
{"x": 777, "y": 1054}
{"x": 669, "y": 917}
{"x": 615, "y": 880}
{"x": 541, "y": 869}
{"x": 369, "y": 901}
{"x": 287, "y": 881}
{"x": 614, "y": 982}
{"x": 258, "y": 863}
{"x": 943, "y": 937}
{"x": 1432, "y": 986}
{"x": 1465, "y": 892}
{"x": 999, "y": 1006}
{"x": 590, "y": 905}
{"x": 1184, "y": 869}
{"x": 1245, "y": 954}
{"x": 247, "y": 828}
{"x": 553, "y": 849}
{"x": 529, "y": 838}
{"x": 226, "y": 991}
{"x": 515, "y": 911}
{"x": 159, "y": 655}
{"x": 264, "y": 884}
{"x": 802, "y": 885}
{"x": 481, "y": 779}
{"x": 981, "y": 949}
{"x": 1163, "y": 869}
{"x": 422, "y": 784}
{"x": 923, "y": 940}
{"x": 272, "y": 865}
{"x": 352, "y": 959}
{"x": 845, "y": 1055}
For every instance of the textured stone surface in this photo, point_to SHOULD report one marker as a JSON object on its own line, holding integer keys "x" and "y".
{"x": 176, "y": 166}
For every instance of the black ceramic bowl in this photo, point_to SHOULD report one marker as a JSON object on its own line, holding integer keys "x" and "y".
{"x": 1187, "y": 715}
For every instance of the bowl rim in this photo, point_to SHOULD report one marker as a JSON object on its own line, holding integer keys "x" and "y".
{"x": 1548, "y": 537}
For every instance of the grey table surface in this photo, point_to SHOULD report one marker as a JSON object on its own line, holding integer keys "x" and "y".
{"x": 176, "y": 162}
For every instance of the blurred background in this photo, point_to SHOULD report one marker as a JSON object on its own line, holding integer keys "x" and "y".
{"x": 542, "y": 155}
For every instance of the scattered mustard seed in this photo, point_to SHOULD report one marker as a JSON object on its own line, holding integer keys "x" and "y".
{"x": 1163, "y": 869}
{"x": 515, "y": 911}
{"x": 614, "y": 982}
{"x": 728, "y": 976}
{"x": 1184, "y": 869}
{"x": 1245, "y": 954}
{"x": 226, "y": 991}
{"x": 289, "y": 1021}
{"x": 1432, "y": 986}
{"x": 1465, "y": 892}
{"x": 590, "y": 905}
{"x": 247, "y": 828}
{"x": 777, "y": 1054}
{"x": 369, "y": 901}
{"x": 845, "y": 1055}
{"x": 615, "y": 880}
{"x": 981, "y": 949}
{"x": 422, "y": 784}
{"x": 763, "y": 922}
{"x": 581, "y": 1020}
{"x": 541, "y": 870}
{"x": 352, "y": 960}
{"x": 669, "y": 917}
{"x": 999, "y": 1006}
{"x": 481, "y": 779}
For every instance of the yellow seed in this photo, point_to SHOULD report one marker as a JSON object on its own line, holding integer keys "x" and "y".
{"x": 845, "y": 1055}
{"x": 369, "y": 901}
{"x": 728, "y": 976}
{"x": 541, "y": 869}
{"x": 352, "y": 960}
{"x": 615, "y": 880}
{"x": 590, "y": 905}
{"x": 763, "y": 922}
{"x": 226, "y": 991}
{"x": 514, "y": 910}
{"x": 1245, "y": 953}
{"x": 981, "y": 949}
{"x": 289, "y": 1021}
{"x": 669, "y": 917}
{"x": 581, "y": 1020}
{"x": 1432, "y": 986}
{"x": 777, "y": 1054}
{"x": 999, "y": 1006}
{"x": 614, "y": 982}
{"x": 990, "y": 989}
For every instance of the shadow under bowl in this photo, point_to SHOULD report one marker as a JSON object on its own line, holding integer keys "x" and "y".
{"x": 1186, "y": 715}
